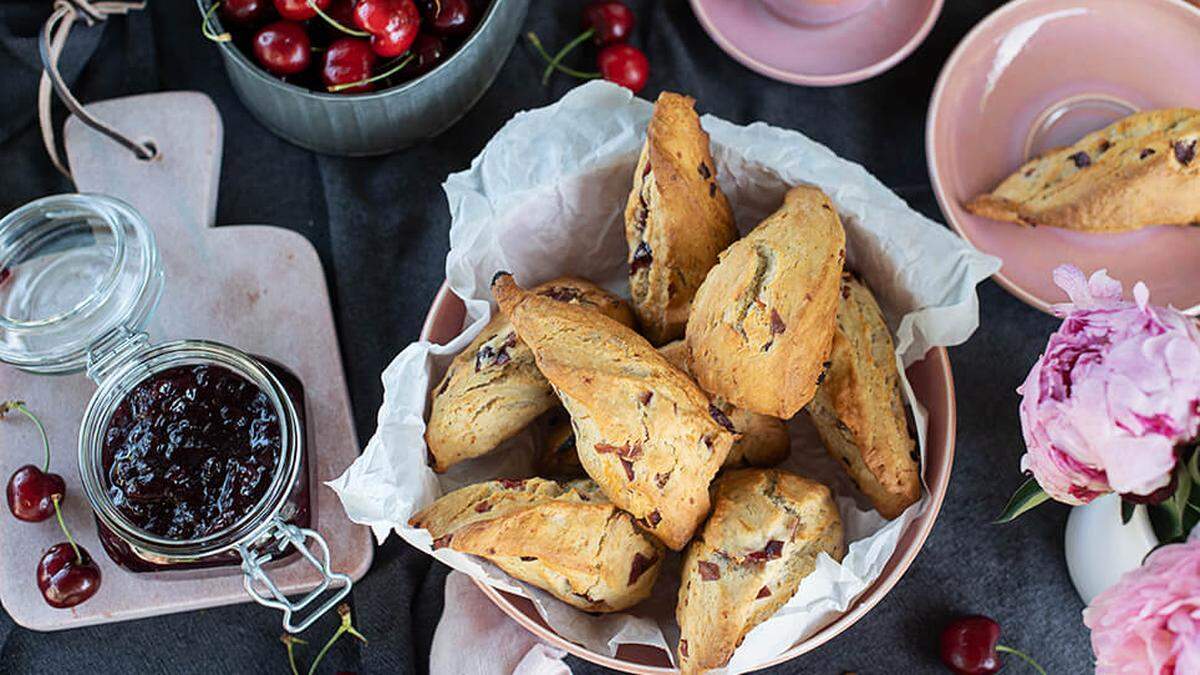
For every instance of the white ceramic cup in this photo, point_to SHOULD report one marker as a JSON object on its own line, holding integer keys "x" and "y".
{"x": 816, "y": 12}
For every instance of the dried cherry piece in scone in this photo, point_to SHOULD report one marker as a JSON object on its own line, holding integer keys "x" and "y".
{"x": 709, "y": 571}
{"x": 721, "y": 418}
{"x": 639, "y": 566}
{"x": 642, "y": 257}
{"x": 772, "y": 551}
{"x": 1185, "y": 152}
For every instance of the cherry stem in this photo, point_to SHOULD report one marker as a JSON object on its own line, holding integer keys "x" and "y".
{"x": 334, "y": 22}
{"x": 346, "y": 627}
{"x": 19, "y": 406}
{"x": 553, "y": 60}
{"x": 207, "y": 29}
{"x": 584, "y": 36}
{"x": 290, "y": 641}
{"x": 404, "y": 61}
{"x": 1025, "y": 657}
{"x": 63, "y": 525}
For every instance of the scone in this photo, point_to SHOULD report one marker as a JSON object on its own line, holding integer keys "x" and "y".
{"x": 765, "y": 533}
{"x": 643, "y": 430}
{"x": 676, "y": 219}
{"x": 492, "y": 389}
{"x": 564, "y": 538}
{"x": 859, "y": 410}
{"x": 764, "y": 440}
{"x": 762, "y": 321}
{"x": 1141, "y": 170}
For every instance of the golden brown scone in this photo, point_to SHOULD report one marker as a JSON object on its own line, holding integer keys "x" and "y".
{"x": 643, "y": 429}
{"x": 1141, "y": 170}
{"x": 676, "y": 219}
{"x": 492, "y": 389}
{"x": 762, "y": 322}
{"x": 564, "y": 538}
{"x": 764, "y": 439}
{"x": 765, "y": 533}
{"x": 859, "y": 410}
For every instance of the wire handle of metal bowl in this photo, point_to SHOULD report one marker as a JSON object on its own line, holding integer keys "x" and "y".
{"x": 283, "y": 535}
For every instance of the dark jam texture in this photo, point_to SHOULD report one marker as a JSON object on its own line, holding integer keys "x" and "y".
{"x": 190, "y": 451}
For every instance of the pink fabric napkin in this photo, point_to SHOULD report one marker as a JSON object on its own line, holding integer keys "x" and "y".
{"x": 475, "y": 638}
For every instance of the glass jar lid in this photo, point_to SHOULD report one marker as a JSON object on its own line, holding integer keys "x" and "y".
{"x": 75, "y": 270}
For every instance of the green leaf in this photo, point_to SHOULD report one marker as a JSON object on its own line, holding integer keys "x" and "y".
{"x": 1029, "y": 495}
{"x": 1193, "y": 466}
{"x": 1127, "y": 511}
{"x": 1167, "y": 521}
{"x": 1170, "y": 518}
{"x": 1183, "y": 491}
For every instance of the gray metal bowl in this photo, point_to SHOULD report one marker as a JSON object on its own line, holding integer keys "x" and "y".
{"x": 379, "y": 122}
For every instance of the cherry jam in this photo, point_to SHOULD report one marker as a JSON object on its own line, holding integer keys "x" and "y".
{"x": 190, "y": 451}
{"x": 229, "y": 423}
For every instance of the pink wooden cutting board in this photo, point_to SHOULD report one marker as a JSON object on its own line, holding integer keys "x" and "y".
{"x": 258, "y": 288}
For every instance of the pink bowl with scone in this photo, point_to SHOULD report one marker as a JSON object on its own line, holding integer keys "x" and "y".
{"x": 1040, "y": 74}
{"x": 933, "y": 386}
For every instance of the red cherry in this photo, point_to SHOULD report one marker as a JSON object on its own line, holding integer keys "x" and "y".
{"x": 393, "y": 24}
{"x": 244, "y": 11}
{"x": 610, "y": 21}
{"x": 348, "y": 60}
{"x": 31, "y": 493}
{"x": 64, "y": 579}
{"x": 298, "y": 10}
{"x": 450, "y": 18}
{"x": 283, "y": 48}
{"x": 429, "y": 51}
{"x": 341, "y": 11}
{"x": 625, "y": 65}
{"x": 969, "y": 645}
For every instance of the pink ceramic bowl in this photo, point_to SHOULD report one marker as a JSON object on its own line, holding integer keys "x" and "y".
{"x": 1038, "y": 74}
{"x": 826, "y": 55}
{"x": 934, "y": 387}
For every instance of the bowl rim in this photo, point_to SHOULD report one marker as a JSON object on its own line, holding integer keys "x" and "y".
{"x": 936, "y": 100}
{"x": 871, "y": 596}
{"x": 231, "y": 51}
{"x": 815, "y": 80}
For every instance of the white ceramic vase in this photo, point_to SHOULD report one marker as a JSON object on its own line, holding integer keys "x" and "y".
{"x": 1099, "y": 549}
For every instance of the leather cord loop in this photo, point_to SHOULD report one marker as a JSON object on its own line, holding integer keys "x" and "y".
{"x": 50, "y": 46}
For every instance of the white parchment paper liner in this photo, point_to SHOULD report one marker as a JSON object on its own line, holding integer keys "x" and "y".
{"x": 544, "y": 199}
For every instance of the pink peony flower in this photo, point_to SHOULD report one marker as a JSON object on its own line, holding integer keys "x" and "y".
{"x": 1149, "y": 622}
{"x": 1113, "y": 395}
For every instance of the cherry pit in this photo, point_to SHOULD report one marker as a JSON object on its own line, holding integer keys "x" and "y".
{"x": 608, "y": 24}
{"x": 66, "y": 574}
{"x": 345, "y": 46}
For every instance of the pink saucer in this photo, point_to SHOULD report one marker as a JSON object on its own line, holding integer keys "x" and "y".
{"x": 848, "y": 51}
{"x": 1037, "y": 74}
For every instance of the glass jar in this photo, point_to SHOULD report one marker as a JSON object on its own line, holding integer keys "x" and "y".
{"x": 79, "y": 278}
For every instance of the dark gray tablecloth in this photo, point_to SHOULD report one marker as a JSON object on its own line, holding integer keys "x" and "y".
{"x": 380, "y": 226}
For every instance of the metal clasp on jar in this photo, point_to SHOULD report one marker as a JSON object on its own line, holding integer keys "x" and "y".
{"x": 278, "y": 538}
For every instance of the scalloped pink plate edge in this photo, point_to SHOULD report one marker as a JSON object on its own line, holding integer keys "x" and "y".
{"x": 848, "y": 51}
{"x": 933, "y": 383}
{"x": 996, "y": 102}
